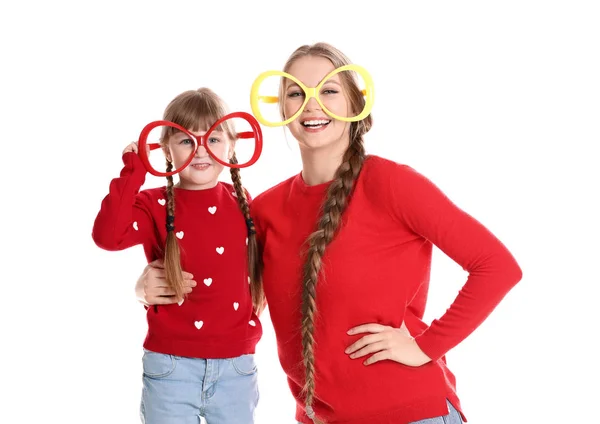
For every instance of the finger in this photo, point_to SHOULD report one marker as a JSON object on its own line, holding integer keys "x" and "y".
{"x": 155, "y": 277}
{"x": 187, "y": 275}
{"x": 163, "y": 300}
{"x": 189, "y": 283}
{"x": 157, "y": 263}
{"x": 161, "y": 291}
{"x": 366, "y": 340}
{"x": 379, "y": 356}
{"x": 131, "y": 147}
{"x": 166, "y": 290}
{"x": 375, "y": 347}
{"x": 368, "y": 328}
{"x": 161, "y": 275}
{"x": 153, "y": 273}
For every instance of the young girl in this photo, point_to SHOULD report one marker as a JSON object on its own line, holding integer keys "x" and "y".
{"x": 198, "y": 354}
{"x": 347, "y": 248}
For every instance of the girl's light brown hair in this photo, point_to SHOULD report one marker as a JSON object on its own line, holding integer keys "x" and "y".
{"x": 334, "y": 205}
{"x": 197, "y": 110}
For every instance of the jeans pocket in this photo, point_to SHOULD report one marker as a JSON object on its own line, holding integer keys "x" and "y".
{"x": 244, "y": 365}
{"x": 158, "y": 365}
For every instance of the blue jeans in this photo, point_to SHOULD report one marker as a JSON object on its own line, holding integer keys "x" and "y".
{"x": 453, "y": 417}
{"x": 180, "y": 390}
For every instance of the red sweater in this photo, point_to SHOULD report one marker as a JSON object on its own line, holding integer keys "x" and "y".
{"x": 216, "y": 320}
{"x": 376, "y": 270}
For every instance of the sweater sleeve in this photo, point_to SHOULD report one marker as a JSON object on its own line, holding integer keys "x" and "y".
{"x": 124, "y": 219}
{"x": 492, "y": 269}
{"x": 260, "y": 236}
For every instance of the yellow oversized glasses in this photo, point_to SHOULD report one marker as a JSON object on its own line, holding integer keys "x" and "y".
{"x": 264, "y": 96}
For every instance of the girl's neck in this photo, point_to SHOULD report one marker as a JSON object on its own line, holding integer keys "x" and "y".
{"x": 184, "y": 185}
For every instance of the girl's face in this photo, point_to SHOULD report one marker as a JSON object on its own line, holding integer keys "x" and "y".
{"x": 203, "y": 172}
{"x": 314, "y": 129}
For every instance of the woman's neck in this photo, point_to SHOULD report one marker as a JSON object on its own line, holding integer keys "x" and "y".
{"x": 320, "y": 165}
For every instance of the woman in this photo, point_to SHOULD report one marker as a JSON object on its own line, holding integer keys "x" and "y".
{"x": 346, "y": 249}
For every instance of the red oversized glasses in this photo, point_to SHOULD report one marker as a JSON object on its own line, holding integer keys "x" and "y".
{"x": 247, "y": 153}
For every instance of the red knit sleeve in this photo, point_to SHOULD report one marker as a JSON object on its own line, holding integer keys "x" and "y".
{"x": 255, "y": 213}
{"x": 493, "y": 271}
{"x": 260, "y": 232}
{"x": 124, "y": 219}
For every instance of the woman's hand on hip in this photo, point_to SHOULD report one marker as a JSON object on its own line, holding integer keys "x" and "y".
{"x": 386, "y": 343}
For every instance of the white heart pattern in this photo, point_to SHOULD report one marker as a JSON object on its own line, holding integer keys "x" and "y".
{"x": 198, "y": 324}
{"x": 252, "y": 323}
{"x": 248, "y": 279}
{"x": 220, "y": 250}
{"x": 234, "y": 195}
{"x": 180, "y": 302}
{"x": 135, "y": 227}
{"x": 212, "y": 209}
{"x": 179, "y": 234}
{"x": 162, "y": 202}
{"x": 208, "y": 281}
{"x": 236, "y": 305}
{"x": 246, "y": 241}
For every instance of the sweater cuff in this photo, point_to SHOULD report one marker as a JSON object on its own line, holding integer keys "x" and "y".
{"x": 430, "y": 346}
{"x": 134, "y": 168}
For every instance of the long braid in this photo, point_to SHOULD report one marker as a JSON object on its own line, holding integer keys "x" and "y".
{"x": 173, "y": 269}
{"x": 333, "y": 207}
{"x": 254, "y": 264}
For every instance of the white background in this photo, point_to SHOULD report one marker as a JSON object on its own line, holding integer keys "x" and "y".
{"x": 497, "y": 102}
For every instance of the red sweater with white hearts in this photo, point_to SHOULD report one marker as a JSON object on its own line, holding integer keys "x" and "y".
{"x": 216, "y": 320}
{"x": 376, "y": 270}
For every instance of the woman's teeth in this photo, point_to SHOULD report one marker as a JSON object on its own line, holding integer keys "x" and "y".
{"x": 315, "y": 123}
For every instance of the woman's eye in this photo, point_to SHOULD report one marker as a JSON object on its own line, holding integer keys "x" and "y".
{"x": 295, "y": 94}
{"x": 330, "y": 91}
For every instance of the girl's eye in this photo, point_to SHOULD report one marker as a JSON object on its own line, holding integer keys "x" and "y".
{"x": 186, "y": 141}
{"x": 213, "y": 140}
